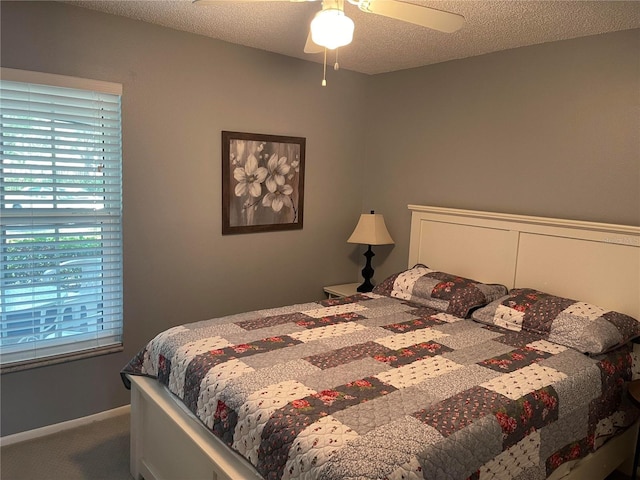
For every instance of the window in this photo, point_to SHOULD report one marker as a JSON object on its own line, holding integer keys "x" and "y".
{"x": 60, "y": 218}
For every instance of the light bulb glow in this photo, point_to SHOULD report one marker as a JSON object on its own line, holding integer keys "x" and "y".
{"x": 331, "y": 28}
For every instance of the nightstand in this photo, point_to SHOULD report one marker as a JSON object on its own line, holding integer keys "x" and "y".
{"x": 344, "y": 290}
{"x": 633, "y": 390}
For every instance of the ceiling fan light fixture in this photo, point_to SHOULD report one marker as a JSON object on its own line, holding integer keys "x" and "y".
{"x": 331, "y": 28}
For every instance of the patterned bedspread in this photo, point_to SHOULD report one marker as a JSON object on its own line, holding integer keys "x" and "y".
{"x": 371, "y": 387}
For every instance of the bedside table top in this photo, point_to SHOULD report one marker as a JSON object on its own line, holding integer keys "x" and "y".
{"x": 344, "y": 290}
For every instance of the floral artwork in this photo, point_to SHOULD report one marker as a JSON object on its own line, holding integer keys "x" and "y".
{"x": 262, "y": 184}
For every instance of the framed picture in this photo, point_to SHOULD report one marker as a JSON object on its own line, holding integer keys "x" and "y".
{"x": 262, "y": 182}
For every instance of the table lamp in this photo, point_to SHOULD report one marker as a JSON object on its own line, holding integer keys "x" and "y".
{"x": 370, "y": 230}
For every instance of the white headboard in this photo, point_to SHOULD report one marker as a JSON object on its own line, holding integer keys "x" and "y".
{"x": 592, "y": 262}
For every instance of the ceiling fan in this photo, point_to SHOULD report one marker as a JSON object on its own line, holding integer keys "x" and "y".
{"x": 331, "y": 28}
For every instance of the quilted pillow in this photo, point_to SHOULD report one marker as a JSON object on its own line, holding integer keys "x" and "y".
{"x": 442, "y": 291}
{"x": 578, "y": 325}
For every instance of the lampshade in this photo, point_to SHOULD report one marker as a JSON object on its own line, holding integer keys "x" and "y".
{"x": 371, "y": 230}
{"x": 331, "y": 28}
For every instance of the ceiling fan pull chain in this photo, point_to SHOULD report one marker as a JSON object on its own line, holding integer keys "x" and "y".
{"x": 324, "y": 69}
{"x": 336, "y": 66}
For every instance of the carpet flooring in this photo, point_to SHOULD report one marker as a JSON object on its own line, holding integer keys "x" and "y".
{"x": 98, "y": 451}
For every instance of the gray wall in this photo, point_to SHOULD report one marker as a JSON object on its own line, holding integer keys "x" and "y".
{"x": 180, "y": 91}
{"x": 549, "y": 130}
{"x": 546, "y": 130}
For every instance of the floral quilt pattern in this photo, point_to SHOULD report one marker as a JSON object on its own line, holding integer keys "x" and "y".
{"x": 374, "y": 387}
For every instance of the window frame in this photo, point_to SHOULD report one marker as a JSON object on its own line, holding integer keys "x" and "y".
{"x": 54, "y": 217}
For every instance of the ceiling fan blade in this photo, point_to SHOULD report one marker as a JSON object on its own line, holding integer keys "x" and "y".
{"x": 408, "y": 12}
{"x": 311, "y": 47}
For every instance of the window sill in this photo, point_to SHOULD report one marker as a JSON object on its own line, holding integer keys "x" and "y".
{"x": 54, "y": 360}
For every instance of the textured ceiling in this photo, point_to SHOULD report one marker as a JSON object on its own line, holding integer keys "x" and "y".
{"x": 382, "y": 44}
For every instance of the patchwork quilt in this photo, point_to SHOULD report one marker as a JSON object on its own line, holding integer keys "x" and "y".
{"x": 374, "y": 387}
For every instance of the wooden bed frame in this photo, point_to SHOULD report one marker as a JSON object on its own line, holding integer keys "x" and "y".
{"x": 593, "y": 262}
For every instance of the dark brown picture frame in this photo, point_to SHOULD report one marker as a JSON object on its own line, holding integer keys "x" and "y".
{"x": 262, "y": 182}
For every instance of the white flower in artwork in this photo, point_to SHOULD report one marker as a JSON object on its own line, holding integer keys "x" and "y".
{"x": 278, "y": 197}
{"x": 278, "y": 169}
{"x": 250, "y": 178}
{"x": 295, "y": 168}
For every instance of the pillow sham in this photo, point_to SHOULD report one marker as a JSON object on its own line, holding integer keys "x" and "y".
{"x": 582, "y": 326}
{"x": 439, "y": 290}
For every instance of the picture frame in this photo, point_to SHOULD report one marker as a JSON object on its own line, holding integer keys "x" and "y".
{"x": 262, "y": 182}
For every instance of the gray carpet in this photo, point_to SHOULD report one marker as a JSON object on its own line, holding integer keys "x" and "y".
{"x": 98, "y": 451}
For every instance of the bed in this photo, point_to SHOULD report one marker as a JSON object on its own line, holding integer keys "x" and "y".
{"x": 467, "y": 365}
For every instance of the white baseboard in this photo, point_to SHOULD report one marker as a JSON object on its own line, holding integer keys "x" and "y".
{"x": 60, "y": 427}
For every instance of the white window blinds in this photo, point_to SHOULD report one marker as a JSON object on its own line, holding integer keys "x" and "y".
{"x": 61, "y": 208}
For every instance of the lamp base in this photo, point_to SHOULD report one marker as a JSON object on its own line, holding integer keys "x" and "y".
{"x": 367, "y": 273}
